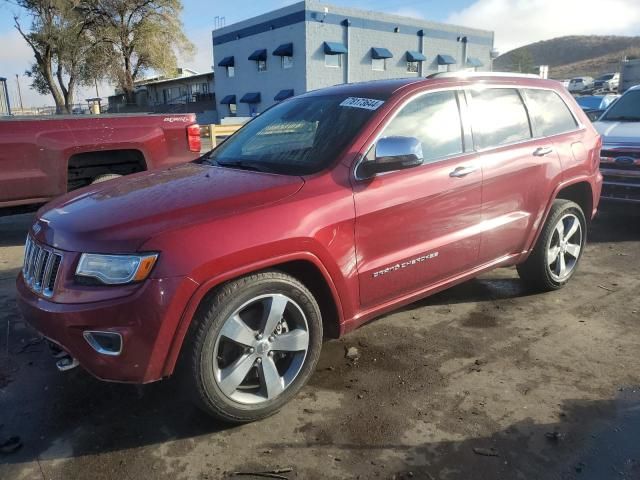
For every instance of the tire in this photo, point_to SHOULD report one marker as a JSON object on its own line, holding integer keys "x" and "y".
{"x": 247, "y": 309}
{"x": 543, "y": 270}
{"x": 104, "y": 177}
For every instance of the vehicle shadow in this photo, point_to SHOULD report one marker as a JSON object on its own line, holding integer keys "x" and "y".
{"x": 13, "y": 229}
{"x": 615, "y": 225}
{"x": 591, "y": 440}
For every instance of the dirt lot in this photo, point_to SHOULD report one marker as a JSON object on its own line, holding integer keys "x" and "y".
{"x": 483, "y": 381}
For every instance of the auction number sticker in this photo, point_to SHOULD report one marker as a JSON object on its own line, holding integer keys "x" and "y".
{"x": 366, "y": 103}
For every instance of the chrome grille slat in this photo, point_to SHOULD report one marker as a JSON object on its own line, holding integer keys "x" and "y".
{"x": 37, "y": 269}
{"x": 40, "y": 268}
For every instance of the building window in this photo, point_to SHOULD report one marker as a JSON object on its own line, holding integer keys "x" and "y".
{"x": 287, "y": 61}
{"x": 412, "y": 67}
{"x": 332, "y": 60}
{"x": 231, "y": 72}
{"x": 232, "y": 109}
{"x": 262, "y": 65}
{"x": 378, "y": 64}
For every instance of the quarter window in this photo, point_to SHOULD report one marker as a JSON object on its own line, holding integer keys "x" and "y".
{"x": 498, "y": 117}
{"x": 434, "y": 119}
{"x": 549, "y": 114}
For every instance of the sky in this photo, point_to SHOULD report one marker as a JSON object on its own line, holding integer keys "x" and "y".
{"x": 515, "y": 22}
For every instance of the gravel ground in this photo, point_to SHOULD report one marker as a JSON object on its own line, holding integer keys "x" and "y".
{"x": 479, "y": 382}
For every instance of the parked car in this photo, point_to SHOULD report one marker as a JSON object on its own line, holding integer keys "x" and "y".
{"x": 620, "y": 157}
{"x": 323, "y": 212}
{"x": 595, "y": 105}
{"x": 44, "y": 157}
{"x": 608, "y": 82}
{"x": 580, "y": 84}
{"x": 565, "y": 83}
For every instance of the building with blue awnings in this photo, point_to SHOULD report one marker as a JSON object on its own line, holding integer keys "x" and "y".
{"x": 310, "y": 45}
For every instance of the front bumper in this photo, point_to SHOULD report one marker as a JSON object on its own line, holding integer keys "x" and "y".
{"x": 146, "y": 319}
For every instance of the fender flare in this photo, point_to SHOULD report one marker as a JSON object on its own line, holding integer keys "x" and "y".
{"x": 204, "y": 288}
{"x": 531, "y": 242}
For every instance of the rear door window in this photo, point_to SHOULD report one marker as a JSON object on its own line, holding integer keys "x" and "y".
{"x": 498, "y": 117}
{"x": 549, "y": 114}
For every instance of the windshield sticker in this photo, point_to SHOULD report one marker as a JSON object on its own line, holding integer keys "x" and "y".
{"x": 366, "y": 103}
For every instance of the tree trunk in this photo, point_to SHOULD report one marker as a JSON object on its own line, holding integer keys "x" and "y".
{"x": 58, "y": 98}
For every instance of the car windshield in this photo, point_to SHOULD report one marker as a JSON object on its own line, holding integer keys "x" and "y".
{"x": 300, "y": 136}
{"x": 606, "y": 77}
{"x": 625, "y": 109}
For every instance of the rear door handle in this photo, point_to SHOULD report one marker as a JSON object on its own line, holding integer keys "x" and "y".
{"x": 542, "y": 151}
{"x": 462, "y": 171}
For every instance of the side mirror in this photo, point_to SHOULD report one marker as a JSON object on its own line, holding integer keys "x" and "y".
{"x": 393, "y": 153}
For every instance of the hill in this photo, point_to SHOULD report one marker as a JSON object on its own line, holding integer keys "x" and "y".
{"x": 571, "y": 56}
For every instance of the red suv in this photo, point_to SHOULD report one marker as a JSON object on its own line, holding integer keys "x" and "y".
{"x": 320, "y": 214}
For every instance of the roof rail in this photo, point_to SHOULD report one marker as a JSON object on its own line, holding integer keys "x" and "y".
{"x": 464, "y": 73}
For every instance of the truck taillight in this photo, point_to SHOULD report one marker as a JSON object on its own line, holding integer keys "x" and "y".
{"x": 193, "y": 138}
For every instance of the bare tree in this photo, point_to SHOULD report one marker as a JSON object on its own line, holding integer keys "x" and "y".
{"x": 142, "y": 35}
{"x": 59, "y": 37}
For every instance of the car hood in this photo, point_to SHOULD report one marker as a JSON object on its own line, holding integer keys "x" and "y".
{"x": 120, "y": 215}
{"x": 619, "y": 132}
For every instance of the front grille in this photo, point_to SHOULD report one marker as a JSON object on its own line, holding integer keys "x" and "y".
{"x": 40, "y": 268}
{"x": 613, "y": 154}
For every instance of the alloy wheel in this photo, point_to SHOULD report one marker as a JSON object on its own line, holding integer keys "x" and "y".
{"x": 261, "y": 349}
{"x": 564, "y": 247}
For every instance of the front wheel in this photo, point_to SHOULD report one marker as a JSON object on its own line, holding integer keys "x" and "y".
{"x": 555, "y": 257}
{"x": 255, "y": 343}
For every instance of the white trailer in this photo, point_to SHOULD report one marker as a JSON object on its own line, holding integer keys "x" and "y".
{"x": 629, "y": 75}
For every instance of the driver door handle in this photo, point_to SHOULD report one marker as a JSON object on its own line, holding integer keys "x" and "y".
{"x": 542, "y": 151}
{"x": 462, "y": 171}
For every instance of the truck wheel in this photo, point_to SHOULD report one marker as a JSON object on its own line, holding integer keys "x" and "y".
{"x": 253, "y": 345}
{"x": 104, "y": 177}
{"x": 555, "y": 257}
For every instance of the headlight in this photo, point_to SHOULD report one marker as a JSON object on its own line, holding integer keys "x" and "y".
{"x": 116, "y": 269}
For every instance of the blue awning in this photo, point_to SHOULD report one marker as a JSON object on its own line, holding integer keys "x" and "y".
{"x": 474, "y": 62}
{"x": 227, "y": 62}
{"x": 413, "y": 56}
{"x": 446, "y": 60}
{"x": 284, "y": 50}
{"x": 260, "y": 54}
{"x": 282, "y": 94}
{"x": 379, "y": 53}
{"x": 334, "y": 48}
{"x": 251, "y": 97}
{"x": 228, "y": 100}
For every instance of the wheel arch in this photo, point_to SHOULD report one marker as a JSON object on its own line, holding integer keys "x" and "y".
{"x": 85, "y": 165}
{"x": 580, "y": 191}
{"x": 305, "y": 267}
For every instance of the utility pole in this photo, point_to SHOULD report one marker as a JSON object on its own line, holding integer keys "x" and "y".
{"x": 97, "y": 92}
{"x": 19, "y": 93}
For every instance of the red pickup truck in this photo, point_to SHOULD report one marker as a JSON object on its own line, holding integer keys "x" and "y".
{"x": 318, "y": 215}
{"x": 44, "y": 157}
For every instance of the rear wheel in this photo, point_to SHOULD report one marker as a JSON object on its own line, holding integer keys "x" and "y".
{"x": 255, "y": 344}
{"x": 555, "y": 257}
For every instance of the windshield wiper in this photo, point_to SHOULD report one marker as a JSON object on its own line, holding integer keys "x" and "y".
{"x": 245, "y": 165}
{"x": 623, "y": 118}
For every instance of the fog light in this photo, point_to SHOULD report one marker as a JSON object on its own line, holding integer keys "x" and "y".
{"x": 106, "y": 343}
